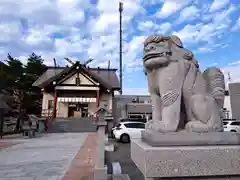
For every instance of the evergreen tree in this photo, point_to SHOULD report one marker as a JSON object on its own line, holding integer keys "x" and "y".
{"x": 35, "y": 65}
{"x": 14, "y": 72}
{"x": 4, "y": 73}
{"x": 19, "y": 78}
{"x": 33, "y": 69}
{"x": 14, "y": 75}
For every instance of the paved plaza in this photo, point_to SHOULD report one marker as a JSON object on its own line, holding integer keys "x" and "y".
{"x": 49, "y": 157}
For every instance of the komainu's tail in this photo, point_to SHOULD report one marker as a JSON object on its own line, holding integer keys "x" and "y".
{"x": 215, "y": 84}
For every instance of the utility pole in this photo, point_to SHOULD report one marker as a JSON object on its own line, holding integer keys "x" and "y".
{"x": 120, "y": 43}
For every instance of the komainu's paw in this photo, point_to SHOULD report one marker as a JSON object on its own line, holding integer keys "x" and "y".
{"x": 160, "y": 126}
{"x": 199, "y": 127}
{"x": 153, "y": 125}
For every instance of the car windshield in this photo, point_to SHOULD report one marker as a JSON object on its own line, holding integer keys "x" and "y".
{"x": 135, "y": 125}
{"x": 124, "y": 120}
{"x": 225, "y": 123}
{"x": 118, "y": 125}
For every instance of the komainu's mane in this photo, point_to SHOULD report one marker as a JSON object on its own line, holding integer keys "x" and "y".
{"x": 155, "y": 39}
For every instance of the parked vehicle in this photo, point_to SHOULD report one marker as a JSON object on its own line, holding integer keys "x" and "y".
{"x": 142, "y": 120}
{"x": 231, "y": 126}
{"x": 125, "y": 131}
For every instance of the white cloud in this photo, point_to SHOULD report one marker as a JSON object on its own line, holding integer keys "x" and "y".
{"x": 109, "y": 14}
{"x": 104, "y": 32}
{"x": 224, "y": 15}
{"x": 236, "y": 27}
{"x": 204, "y": 49}
{"x": 80, "y": 30}
{"x": 163, "y": 28}
{"x": 188, "y": 13}
{"x": 210, "y": 32}
{"x": 133, "y": 49}
{"x": 9, "y": 31}
{"x": 36, "y": 38}
{"x": 170, "y": 7}
{"x": 189, "y": 33}
{"x": 29, "y": 25}
{"x": 106, "y": 22}
{"x": 149, "y": 27}
{"x": 234, "y": 63}
{"x": 218, "y": 4}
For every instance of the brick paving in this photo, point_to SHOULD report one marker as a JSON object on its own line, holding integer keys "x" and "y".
{"x": 82, "y": 165}
{"x": 4, "y": 145}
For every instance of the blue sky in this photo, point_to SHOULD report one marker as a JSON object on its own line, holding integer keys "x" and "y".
{"x": 83, "y": 29}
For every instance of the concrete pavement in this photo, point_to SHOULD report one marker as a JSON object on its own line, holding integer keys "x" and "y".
{"x": 45, "y": 158}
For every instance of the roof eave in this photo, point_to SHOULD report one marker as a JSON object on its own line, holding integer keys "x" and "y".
{"x": 115, "y": 88}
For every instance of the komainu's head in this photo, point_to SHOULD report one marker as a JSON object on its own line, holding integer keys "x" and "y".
{"x": 159, "y": 50}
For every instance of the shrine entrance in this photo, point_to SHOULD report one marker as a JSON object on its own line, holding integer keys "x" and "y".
{"x": 78, "y": 110}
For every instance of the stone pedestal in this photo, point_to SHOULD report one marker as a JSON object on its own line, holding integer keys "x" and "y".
{"x": 100, "y": 172}
{"x": 193, "y": 162}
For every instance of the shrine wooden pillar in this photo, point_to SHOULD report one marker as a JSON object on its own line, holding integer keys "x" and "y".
{"x": 97, "y": 104}
{"x": 55, "y": 104}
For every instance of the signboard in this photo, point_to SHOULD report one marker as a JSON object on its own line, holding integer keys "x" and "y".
{"x": 76, "y": 99}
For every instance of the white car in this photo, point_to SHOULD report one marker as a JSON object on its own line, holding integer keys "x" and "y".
{"x": 125, "y": 131}
{"x": 231, "y": 126}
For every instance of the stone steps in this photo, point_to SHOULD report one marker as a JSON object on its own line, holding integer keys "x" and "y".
{"x": 72, "y": 125}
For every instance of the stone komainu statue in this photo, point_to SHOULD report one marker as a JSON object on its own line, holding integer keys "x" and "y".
{"x": 183, "y": 98}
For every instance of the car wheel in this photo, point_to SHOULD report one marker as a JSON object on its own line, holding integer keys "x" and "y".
{"x": 233, "y": 130}
{"x": 125, "y": 138}
{"x": 112, "y": 135}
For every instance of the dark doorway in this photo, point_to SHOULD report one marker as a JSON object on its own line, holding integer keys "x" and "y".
{"x": 71, "y": 110}
{"x": 83, "y": 108}
{"x": 78, "y": 110}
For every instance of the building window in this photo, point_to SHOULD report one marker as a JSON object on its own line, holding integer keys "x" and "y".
{"x": 50, "y": 104}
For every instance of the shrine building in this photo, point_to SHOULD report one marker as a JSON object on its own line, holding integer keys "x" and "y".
{"x": 77, "y": 90}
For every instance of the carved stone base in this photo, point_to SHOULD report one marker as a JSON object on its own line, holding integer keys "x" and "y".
{"x": 156, "y": 139}
{"x": 186, "y": 162}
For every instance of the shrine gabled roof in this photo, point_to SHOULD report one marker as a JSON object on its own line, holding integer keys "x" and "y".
{"x": 106, "y": 77}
